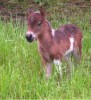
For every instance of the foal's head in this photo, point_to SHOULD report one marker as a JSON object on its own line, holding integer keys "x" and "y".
{"x": 35, "y": 24}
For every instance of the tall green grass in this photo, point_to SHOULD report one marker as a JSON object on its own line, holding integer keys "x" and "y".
{"x": 21, "y": 72}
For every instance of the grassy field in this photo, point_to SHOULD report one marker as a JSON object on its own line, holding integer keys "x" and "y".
{"x": 21, "y": 73}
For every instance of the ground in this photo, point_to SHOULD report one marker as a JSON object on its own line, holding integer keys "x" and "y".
{"x": 18, "y": 9}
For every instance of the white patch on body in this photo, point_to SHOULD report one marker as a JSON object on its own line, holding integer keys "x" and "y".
{"x": 71, "y": 46}
{"x": 53, "y": 32}
{"x": 58, "y": 65}
{"x": 37, "y": 12}
{"x": 30, "y": 33}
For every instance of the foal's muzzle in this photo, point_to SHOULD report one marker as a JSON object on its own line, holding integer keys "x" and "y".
{"x": 29, "y": 37}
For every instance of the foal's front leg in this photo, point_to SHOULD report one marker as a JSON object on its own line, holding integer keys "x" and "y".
{"x": 46, "y": 61}
{"x": 47, "y": 67}
{"x": 48, "y": 70}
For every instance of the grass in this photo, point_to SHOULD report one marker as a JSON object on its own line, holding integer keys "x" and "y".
{"x": 21, "y": 73}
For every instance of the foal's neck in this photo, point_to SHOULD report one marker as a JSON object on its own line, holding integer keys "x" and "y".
{"x": 46, "y": 32}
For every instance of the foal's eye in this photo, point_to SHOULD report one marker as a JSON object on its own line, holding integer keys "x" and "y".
{"x": 39, "y": 23}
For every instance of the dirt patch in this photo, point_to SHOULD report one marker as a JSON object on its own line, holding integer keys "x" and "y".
{"x": 17, "y": 10}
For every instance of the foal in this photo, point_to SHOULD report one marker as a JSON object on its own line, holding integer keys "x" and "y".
{"x": 54, "y": 45}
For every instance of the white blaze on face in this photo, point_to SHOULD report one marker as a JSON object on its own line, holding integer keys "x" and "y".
{"x": 53, "y": 32}
{"x": 71, "y": 46}
{"x": 58, "y": 65}
{"x": 28, "y": 33}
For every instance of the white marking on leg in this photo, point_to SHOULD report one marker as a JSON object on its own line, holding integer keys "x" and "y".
{"x": 58, "y": 65}
{"x": 71, "y": 46}
{"x": 53, "y": 32}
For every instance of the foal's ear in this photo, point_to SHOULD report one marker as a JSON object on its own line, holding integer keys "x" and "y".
{"x": 30, "y": 10}
{"x": 42, "y": 11}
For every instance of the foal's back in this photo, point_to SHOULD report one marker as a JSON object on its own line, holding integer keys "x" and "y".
{"x": 63, "y": 36}
{"x": 67, "y": 31}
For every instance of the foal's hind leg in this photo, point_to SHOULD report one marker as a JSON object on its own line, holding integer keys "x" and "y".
{"x": 77, "y": 55}
{"x": 70, "y": 65}
{"x": 77, "y": 52}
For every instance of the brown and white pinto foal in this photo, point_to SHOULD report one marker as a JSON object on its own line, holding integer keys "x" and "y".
{"x": 54, "y": 45}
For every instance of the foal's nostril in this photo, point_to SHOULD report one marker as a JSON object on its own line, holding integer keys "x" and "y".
{"x": 28, "y": 36}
